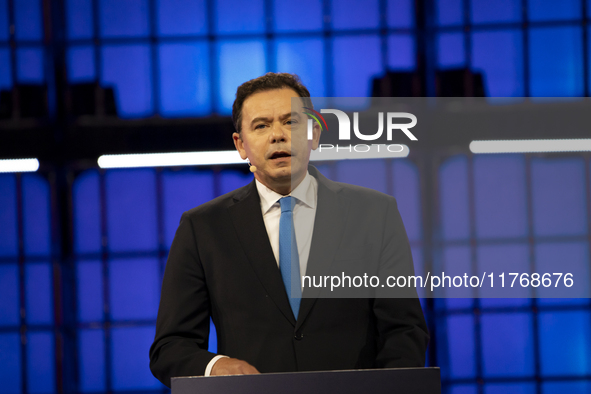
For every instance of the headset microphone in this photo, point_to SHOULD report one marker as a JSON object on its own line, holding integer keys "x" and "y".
{"x": 252, "y": 168}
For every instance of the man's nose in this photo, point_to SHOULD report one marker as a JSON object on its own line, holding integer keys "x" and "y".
{"x": 278, "y": 133}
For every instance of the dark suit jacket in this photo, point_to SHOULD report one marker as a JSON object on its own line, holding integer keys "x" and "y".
{"x": 221, "y": 265}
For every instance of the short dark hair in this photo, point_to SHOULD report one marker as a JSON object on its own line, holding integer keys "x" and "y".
{"x": 269, "y": 81}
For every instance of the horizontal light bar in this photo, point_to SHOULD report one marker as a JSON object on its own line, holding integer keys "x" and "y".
{"x": 170, "y": 159}
{"x": 19, "y": 165}
{"x": 347, "y": 152}
{"x": 232, "y": 157}
{"x": 531, "y": 146}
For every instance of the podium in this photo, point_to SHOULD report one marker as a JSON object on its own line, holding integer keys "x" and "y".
{"x": 375, "y": 381}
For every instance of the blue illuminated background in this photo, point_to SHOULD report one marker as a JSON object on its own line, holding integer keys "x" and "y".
{"x": 185, "y": 58}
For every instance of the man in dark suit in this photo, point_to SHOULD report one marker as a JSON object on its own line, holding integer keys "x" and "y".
{"x": 225, "y": 262}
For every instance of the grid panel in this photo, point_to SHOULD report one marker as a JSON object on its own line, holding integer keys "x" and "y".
{"x": 89, "y": 295}
{"x": 80, "y": 63}
{"x": 304, "y": 57}
{"x": 559, "y": 197}
{"x": 29, "y": 62}
{"x": 353, "y": 172}
{"x": 239, "y": 17}
{"x": 128, "y": 68}
{"x": 79, "y": 20}
{"x": 182, "y": 191}
{"x": 86, "y": 216}
{"x": 9, "y": 291}
{"x": 8, "y": 216}
{"x": 130, "y": 364}
{"x": 181, "y": 18}
{"x": 499, "y": 55}
{"x": 91, "y": 345}
{"x": 500, "y": 196}
{"x": 134, "y": 288}
{"x": 41, "y": 362}
{"x": 401, "y": 52}
{"x": 149, "y": 23}
{"x": 522, "y": 47}
{"x": 251, "y": 29}
{"x": 450, "y": 50}
{"x": 407, "y": 191}
{"x": 546, "y": 10}
{"x": 39, "y": 291}
{"x": 184, "y": 79}
{"x": 28, "y": 20}
{"x": 251, "y": 55}
{"x": 508, "y": 345}
{"x": 539, "y": 347}
{"x": 565, "y": 347}
{"x": 118, "y": 295}
{"x": 4, "y": 20}
{"x": 352, "y": 73}
{"x": 305, "y": 16}
{"x": 556, "y": 62}
{"x": 354, "y": 14}
{"x": 400, "y": 13}
{"x": 27, "y": 341}
{"x": 5, "y": 76}
{"x": 10, "y": 359}
{"x": 505, "y": 257}
{"x": 483, "y": 11}
{"x": 572, "y": 257}
{"x": 131, "y": 210}
{"x": 128, "y": 18}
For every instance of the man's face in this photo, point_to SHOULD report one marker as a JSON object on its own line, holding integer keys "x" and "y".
{"x": 274, "y": 138}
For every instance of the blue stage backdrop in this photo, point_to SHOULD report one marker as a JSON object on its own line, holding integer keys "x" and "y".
{"x": 179, "y": 58}
{"x": 508, "y": 210}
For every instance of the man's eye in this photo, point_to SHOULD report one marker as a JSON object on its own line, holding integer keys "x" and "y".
{"x": 291, "y": 121}
{"x": 259, "y": 126}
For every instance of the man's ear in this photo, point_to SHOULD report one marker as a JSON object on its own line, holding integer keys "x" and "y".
{"x": 316, "y": 136}
{"x": 239, "y": 144}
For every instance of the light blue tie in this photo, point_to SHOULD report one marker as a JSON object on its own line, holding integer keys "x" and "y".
{"x": 289, "y": 260}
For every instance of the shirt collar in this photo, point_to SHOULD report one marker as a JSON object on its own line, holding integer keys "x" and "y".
{"x": 304, "y": 192}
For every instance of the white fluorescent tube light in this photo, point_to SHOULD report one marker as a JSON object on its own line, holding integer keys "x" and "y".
{"x": 170, "y": 159}
{"x": 530, "y": 146}
{"x": 232, "y": 157}
{"x": 19, "y": 165}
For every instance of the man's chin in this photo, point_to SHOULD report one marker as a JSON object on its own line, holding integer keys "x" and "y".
{"x": 287, "y": 175}
{"x": 282, "y": 174}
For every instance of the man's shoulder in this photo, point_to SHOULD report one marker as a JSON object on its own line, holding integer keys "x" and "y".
{"x": 350, "y": 191}
{"x": 219, "y": 204}
{"x": 361, "y": 194}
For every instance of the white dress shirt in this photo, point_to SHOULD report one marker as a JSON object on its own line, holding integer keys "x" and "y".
{"x": 304, "y": 212}
{"x": 303, "y": 216}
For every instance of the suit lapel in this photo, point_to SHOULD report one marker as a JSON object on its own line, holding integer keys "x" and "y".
{"x": 250, "y": 227}
{"x": 329, "y": 224}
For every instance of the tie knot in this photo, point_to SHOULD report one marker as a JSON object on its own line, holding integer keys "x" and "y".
{"x": 287, "y": 203}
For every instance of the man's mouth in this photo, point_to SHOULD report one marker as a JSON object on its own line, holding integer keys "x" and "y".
{"x": 279, "y": 155}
